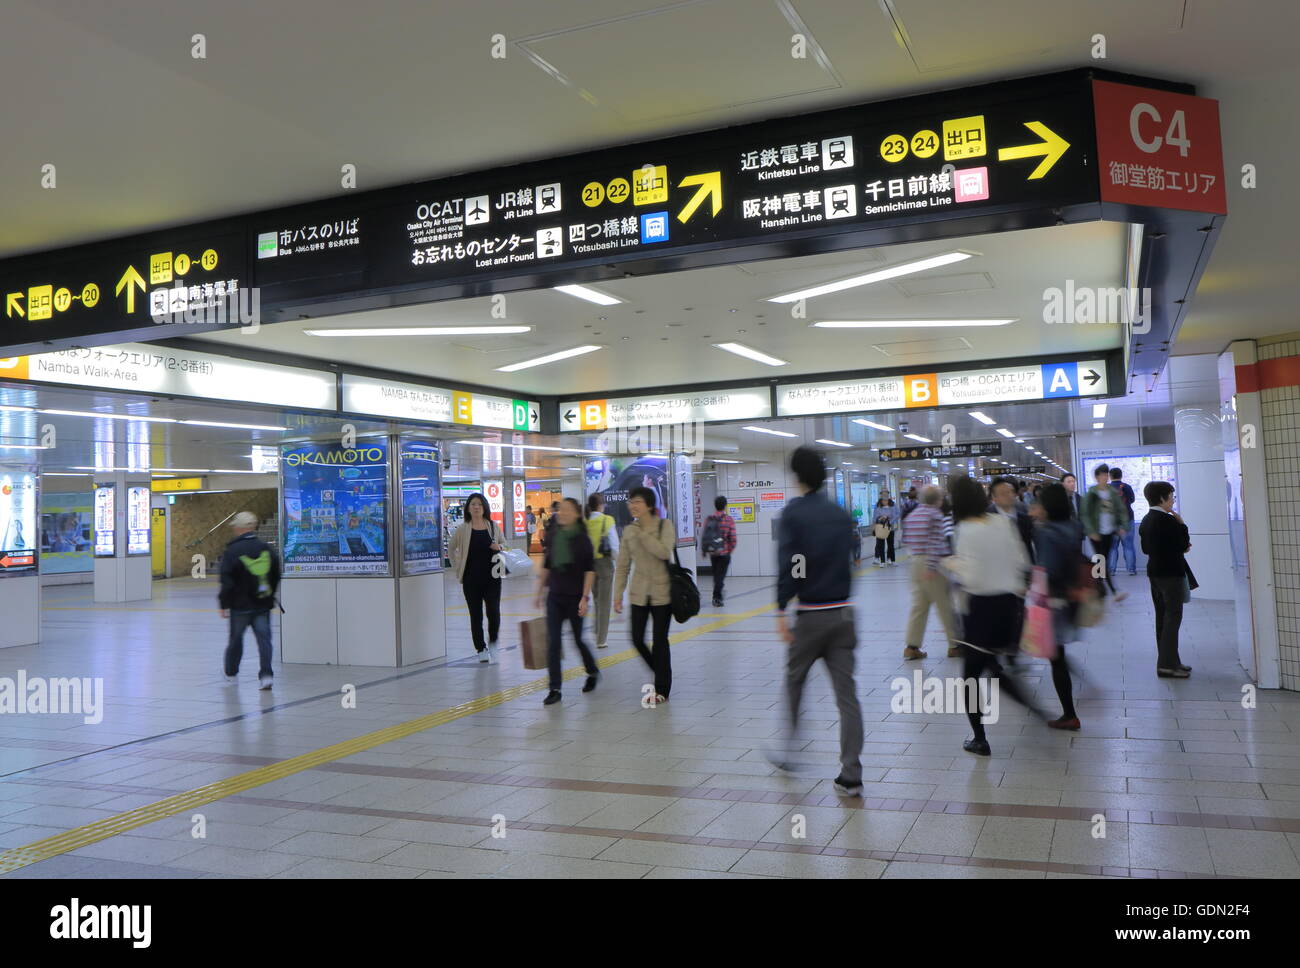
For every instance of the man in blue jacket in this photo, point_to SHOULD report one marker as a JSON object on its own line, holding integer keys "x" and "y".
{"x": 813, "y": 566}
{"x": 250, "y": 577}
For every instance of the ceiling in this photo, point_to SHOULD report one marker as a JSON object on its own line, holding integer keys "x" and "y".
{"x": 143, "y": 135}
{"x": 664, "y": 330}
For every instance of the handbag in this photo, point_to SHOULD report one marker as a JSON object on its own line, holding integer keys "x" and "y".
{"x": 683, "y": 594}
{"x": 881, "y": 530}
{"x": 1037, "y": 637}
{"x": 532, "y": 642}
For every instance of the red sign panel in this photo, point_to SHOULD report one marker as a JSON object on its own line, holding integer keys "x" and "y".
{"x": 1159, "y": 149}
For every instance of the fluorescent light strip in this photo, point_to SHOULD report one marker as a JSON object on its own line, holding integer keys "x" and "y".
{"x": 833, "y": 443}
{"x": 221, "y": 471}
{"x": 494, "y": 443}
{"x": 591, "y": 295}
{"x": 1098, "y": 426}
{"x": 61, "y": 474}
{"x": 23, "y": 447}
{"x": 724, "y": 460}
{"x": 109, "y": 416}
{"x": 18, "y": 409}
{"x": 880, "y": 275}
{"x": 740, "y": 349}
{"x": 549, "y": 358}
{"x": 918, "y": 437}
{"x": 1098, "y": 411}
{"x": 422, "y": 331}
{"x": 774, "y": 433}
{"x": 907, "y": 323}
{"x": 1004, "y": 432}
{"x": 876, "y": 426}
{"x": 983, "y": 418}
{"x": 235, "y": 426}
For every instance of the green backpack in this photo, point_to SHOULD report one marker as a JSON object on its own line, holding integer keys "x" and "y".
{"x": 259, "y": 568}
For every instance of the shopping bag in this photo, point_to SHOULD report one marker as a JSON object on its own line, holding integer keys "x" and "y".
{"x": 516, "y": 562}
{"x": 532, "y": 639}
{"x": 1037, "y": 637}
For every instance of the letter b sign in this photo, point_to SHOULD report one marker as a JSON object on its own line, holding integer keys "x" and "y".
{"x": 920, "y": 391}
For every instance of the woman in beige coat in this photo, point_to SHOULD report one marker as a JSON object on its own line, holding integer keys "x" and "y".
{"x": 645, "y": 547}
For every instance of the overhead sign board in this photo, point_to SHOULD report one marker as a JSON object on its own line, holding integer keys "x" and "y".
{"x": 411, "y": 401}
{"x": 999, "y": 149}
{"x": 149, "y": 368}
{"x": 990, "y": 449}
{"x": 177, "y": 484}
{"x": 744, "y": 403}
{"x": 1017, "y": 471}
{"x": 1159, "y": 148}
{"x": 183, "y": 282}
{"x": 945, "y": 388}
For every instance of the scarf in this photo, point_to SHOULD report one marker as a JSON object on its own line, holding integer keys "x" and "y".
{"x": 562, "y": 547}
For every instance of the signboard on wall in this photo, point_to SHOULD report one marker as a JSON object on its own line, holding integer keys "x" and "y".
{"x": 19, "y": 537}
{"x": 148, "y": 368}
{"x": 1159, "y": 148}
{"x": 421, "y": 470}
{"x": 683, "y": 500}
{"x": 519, "y": 509}
{"x": 67, "y": 531}
{"x": 771, "y": 500}
{"x": 105, "y": 521}
{"x": 335, "y": 508}
{"x": 412, "y": 401}
{"x": 745, "y": 403}
{"x": 138, "y": 526}
{"x": 945, "y": 388}
{"x": 496, "y": 502}
{"x": 742, "y": 511}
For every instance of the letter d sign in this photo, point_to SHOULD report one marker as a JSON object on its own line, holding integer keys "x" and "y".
{"x": 920, "y": 390}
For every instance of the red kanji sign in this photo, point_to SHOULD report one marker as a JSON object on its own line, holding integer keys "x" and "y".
{"x": 1158, "y": 148}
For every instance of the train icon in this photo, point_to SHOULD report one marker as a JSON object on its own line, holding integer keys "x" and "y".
{"x": 837, "y": 152}
{"x": 839, "y": 200}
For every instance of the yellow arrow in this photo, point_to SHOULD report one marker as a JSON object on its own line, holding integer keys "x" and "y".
{"x": 710, "y": 185}
{"x": 1051, "y": 148}
{"x": 13, "y": 305}
{"x": 130, "y": 279}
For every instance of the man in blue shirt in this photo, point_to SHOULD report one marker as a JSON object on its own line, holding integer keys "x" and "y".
{"x": 813, "y": 566}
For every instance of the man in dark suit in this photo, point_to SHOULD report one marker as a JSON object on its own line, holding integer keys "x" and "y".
{"x": 1071, "y": 484}
{"x": 1165, "y": 542}
{"x": 1003, "y": 493}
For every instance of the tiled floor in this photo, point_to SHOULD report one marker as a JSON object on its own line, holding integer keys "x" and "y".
{"x": 1166, "y": 779}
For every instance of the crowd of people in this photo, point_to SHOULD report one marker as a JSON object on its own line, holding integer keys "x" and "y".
{"x": 1005, "y": 568}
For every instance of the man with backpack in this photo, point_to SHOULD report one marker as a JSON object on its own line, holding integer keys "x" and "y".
{"x": 250, "y": 577}
{"x": 718, "y": 542}
{"x": 1126, "y": 539}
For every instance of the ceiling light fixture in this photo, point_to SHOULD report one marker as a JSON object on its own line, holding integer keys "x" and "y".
{"x": 833, "y": 443}
{"x": 907, "y": 323}
{"x": 422, "y": 331}
{"x": 724, "y": 460}
{"x": 919, "y": 438}
{"x": 1098, "y": 426}
{"x": 876, "y": 426}
{"x": 591, "y": 295}
{"x": 234, "y": 426}
{"x": 549, "y": 358}
{"x": 983, "y": 418}
{"x": 880, "y": 275}
{"x": 1098, "y": 411}
{"x": 1004, "y": 432}
{"x": 740, "y": 349}
{"x": 774, "y": 433}
{"x": 109, "y": 416}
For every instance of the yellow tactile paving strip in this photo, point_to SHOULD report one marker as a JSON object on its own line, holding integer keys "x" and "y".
{"x": 18, "y": 857}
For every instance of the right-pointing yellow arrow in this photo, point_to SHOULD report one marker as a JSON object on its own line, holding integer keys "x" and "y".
{"x": 710, "y": 185}
{"x": 130, "y": 279}
{"x": 1051, "y": 148}
{"x": 14, "y": 304}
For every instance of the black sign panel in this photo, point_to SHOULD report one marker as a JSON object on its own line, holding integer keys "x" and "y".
{"x": 992, "y": 449}
{"x": 1020, "y": 471}
{"x": 169, "y": 288}
{"x": 997, "y": 157}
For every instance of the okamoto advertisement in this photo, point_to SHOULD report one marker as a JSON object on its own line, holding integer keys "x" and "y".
{"x": 614, "y": 477}
{"x": 335, "y": 509}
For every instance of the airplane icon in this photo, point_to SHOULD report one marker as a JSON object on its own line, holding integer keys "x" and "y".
{"x": 476, "y": 210}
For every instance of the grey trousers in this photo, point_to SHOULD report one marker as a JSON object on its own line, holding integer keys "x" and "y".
{"x": 603, "y": 596}
{"x": 828, "y": 635}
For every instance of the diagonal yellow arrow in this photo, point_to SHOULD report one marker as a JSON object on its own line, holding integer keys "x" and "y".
{"x": 1052, "y": 147}
{"x": 130, "y": 279}
{"x": 710, "y": 183}
{"x": 14, "y": 304}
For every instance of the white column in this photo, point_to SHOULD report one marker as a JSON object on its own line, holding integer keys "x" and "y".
{"x": 123, "y": 577}
{"x": 1200, "y": 498}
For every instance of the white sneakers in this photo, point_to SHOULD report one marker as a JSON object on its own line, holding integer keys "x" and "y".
{"x": 264, "y": 682}
{"x": 601, "y": 645}
{"x": 492, "y": 653}
{"x": 485, "y": 656}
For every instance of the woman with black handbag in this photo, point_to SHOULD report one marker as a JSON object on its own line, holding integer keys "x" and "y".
{"x": 646, "y": 546}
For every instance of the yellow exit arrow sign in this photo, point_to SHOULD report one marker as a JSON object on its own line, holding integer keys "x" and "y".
{"x": 710, "y": 186}
{"x": 130, "y": 279}
{"x": 1050, "y": 149}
